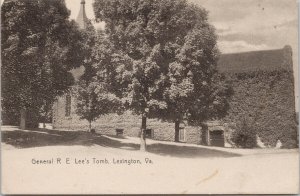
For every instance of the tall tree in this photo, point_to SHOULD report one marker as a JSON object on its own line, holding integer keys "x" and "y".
{"x": 39, "y": 47}
{"x": 152, "y": 36}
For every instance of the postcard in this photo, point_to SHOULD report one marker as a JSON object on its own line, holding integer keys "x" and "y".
{"x": 149, "y": 97}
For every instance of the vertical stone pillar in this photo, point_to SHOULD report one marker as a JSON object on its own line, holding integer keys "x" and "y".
{"x": 23, "y": 119}
{"x": 208, "y": 137}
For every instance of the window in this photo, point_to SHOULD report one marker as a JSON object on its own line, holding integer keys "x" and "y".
{"x": 68, "y": 105}
{"x": 149, "y": 133}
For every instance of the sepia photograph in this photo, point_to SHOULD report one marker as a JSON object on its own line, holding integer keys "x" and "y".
{"x": 149, "y": 97}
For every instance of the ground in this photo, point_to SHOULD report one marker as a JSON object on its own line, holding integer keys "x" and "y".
{"x": 175, "y": 168}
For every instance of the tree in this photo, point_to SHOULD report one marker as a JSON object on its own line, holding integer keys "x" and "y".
{"x": 86, "y": 100}
{"x": 197, "y": 92}
{"x": 92, "y": 101}
{"x": 39, "y": 47}
{"x": 92, "y": 96}
{"x": 151, "y": 37}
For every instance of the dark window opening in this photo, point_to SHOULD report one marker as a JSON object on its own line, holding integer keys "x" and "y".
{"x": 149, "y": 133}
{"x": 217, "y": 138}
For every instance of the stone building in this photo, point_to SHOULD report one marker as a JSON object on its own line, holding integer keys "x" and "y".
{"x": 263, "y": 92}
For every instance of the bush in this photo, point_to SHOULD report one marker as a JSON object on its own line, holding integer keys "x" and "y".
{"x": 244, "y": 136}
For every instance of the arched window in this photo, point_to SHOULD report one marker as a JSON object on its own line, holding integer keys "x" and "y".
{"x": 68, "y": 105}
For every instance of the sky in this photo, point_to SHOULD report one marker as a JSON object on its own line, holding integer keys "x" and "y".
{"x": 242, "y": 25}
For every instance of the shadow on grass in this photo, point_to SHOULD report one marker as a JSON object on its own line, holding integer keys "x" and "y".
{"x": 187, "y": 151}
{"x": 45, "y": 137}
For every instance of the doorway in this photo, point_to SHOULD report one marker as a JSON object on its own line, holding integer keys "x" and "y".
{"x": 216, "y": 138}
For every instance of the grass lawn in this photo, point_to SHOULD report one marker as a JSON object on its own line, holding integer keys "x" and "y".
{"x": 94, "y": 163}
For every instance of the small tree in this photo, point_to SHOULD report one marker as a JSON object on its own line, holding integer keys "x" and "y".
{"x": 93, "y": 90}
{"x": 93, "y": 100}
{"x": 86, "y": 103}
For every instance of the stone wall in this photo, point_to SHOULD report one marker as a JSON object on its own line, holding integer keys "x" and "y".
{"x": 263, "y": 94}
{"x": 265, "y": 99}
{"x": 131, "y": 124}
{"x": 193, "y": 135}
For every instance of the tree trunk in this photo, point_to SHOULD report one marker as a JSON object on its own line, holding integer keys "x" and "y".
{"x": 143, "y": 133}
{"x": 23, "y": 119}
{"x": 177, "y": 123}
{"x": 90, "y": 126}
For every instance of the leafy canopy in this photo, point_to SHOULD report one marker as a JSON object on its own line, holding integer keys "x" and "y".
{"x": 93, "y": 97}
{"x": 39, "y": 46}
{"x": 166, "y": 54}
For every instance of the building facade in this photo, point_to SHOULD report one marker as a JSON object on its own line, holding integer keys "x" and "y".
{"x": 263, "y": 94}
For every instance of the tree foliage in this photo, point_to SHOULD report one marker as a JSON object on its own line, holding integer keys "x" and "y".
{"x": 197, "y": 92}
{"x": 93, "y": 97}
{"x": 146, "y": 35}
{"x": 39, "y": 46}
{"x": 169, "y": 53}
{"x": 93, "y": 100}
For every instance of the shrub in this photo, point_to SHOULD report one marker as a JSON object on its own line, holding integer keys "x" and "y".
{"x": 244, "y": 136}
